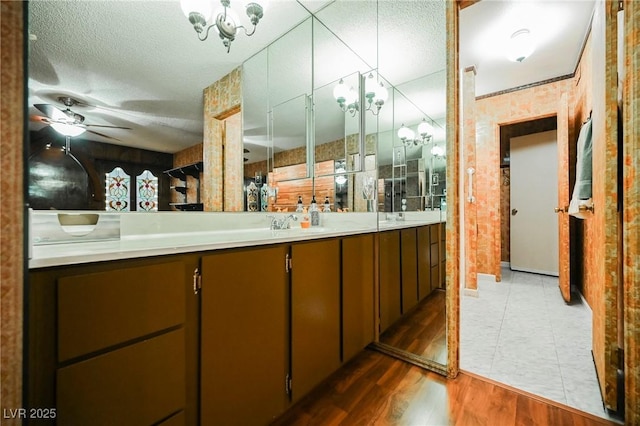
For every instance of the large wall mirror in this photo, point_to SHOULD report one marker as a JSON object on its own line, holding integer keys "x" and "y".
{"x": 300, "y": 138}
{"x": 412, "y": 177}
{"x": 396, "y": 146}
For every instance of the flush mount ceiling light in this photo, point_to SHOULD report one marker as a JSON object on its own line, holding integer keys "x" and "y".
{"x": 520, "y": 45}
{"x": 226, "y": 20}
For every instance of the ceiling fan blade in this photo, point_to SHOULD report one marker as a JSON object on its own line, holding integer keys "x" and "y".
{"x": 103, "y": 135}
{"x": 109, "y": 127}
{"x": 52, "y": 112}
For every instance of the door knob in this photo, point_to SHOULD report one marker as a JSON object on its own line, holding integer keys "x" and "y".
{"x": 514, "y": 212}
{"x": 561, "y": 209}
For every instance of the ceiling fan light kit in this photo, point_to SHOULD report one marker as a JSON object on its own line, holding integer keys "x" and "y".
{"x": 68, "y": 129}
{"x": 66, "y": 122}
{"x": 225, "y": 21}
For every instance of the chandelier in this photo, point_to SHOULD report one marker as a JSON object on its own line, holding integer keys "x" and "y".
{"x": 375, "y": 95}
{"x": 408, "y": 136}
{"x": 225, "y": 23}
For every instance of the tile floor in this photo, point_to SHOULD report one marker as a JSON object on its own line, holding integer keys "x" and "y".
{"x": 521, "y": 333}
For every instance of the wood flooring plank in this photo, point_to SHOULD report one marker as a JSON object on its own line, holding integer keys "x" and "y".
{"x": 530, "y": 412}
{"x": 375, "y": 389}
{"x": 503, "y": 406}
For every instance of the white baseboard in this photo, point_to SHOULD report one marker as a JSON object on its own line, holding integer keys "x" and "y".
{"x": 472, "y": 292}
{"x": 505, "y": 264}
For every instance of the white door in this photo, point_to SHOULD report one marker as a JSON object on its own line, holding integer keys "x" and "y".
{"x": 534, "y": 195}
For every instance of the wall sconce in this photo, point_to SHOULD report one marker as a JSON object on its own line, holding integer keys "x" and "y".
{"x": 408, "y": 136}
{"x": 226, "y": 25}
{"x": 375, "y": 94}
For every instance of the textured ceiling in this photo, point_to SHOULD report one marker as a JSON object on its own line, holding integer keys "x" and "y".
{"x": 139, "y": 64}
{"x": 559, "y": 29}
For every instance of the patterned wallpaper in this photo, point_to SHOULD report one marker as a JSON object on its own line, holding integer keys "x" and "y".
{"x": 11, "y": 161}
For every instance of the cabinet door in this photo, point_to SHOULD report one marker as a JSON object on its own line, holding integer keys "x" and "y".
{"x": 139, "y": 384}
{"x": 357, "y": 294}
{"x": 389, "y": 264}
{"x": 409, "y": 262}
{"x": 244, "y": 340}
{"x": 315, "y": 313}
{"x": 424, "y": 262}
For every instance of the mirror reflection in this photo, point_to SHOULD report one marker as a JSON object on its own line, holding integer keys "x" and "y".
{"x": 411, "y": 183}
{"x": 350, "y": 111}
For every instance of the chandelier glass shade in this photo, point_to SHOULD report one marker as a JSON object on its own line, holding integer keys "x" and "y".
{"x": 408, "y": 136}
{"x": 375, "y": 95}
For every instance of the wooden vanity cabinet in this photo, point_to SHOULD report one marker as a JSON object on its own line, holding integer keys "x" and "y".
{"x": 390, "y": 278}
{"x": 357, "y": 294}
{"x": 135, "y": 342}
{"x": 315, "y": 313}
{"x": 245, "y": 336}
{"x": 113, "y": 342}
{"x": 434, "y": 232}
{"x": 409, "y": 273}
{"x": 424, "y": 261}
{"x": 410, "y": 266}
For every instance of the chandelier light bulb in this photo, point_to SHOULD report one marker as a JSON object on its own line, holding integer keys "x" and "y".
{"x": 370, "y": 87}
{"x": 425, "y": 129}
{"x": 381, "y": 94}
{"x": 352, "y": 96}
{"x": 437, "y": 151}
{"x": 405, "y": 133}
{"x": 340, "y": 92}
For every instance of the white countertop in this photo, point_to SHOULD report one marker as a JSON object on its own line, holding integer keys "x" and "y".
{"x": 147, "y": 244}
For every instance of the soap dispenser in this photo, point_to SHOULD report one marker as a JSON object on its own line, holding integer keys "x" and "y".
{"x": 300, "y": 207}
{"x": 314, "y": 212}
{"x": 327, "y": 205}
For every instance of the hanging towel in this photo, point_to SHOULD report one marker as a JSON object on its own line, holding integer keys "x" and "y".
{"x": 582, "y": 190}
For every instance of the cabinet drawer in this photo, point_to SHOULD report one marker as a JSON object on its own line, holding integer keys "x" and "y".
{"x": 139, "y": 384}
{"x": 99, "y": 310}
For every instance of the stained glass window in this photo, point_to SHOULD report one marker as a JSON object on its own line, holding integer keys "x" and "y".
{"x": 118, "y": 196}
{"x": 147, "y": 192}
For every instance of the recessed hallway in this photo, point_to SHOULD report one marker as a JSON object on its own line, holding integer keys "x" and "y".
{"x": 521, "y": 333}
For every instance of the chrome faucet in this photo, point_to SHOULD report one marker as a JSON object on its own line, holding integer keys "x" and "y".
{"x": 282, "y": 223}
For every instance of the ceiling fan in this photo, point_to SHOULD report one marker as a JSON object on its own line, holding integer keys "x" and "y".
{"x": 67, "y": 122}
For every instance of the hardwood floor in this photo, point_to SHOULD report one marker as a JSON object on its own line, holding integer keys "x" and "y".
{"x": 375, "y": 389}
{"x": 422, "y": 331}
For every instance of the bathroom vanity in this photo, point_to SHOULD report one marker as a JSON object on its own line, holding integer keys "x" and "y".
{"x": 193, "y": 327}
